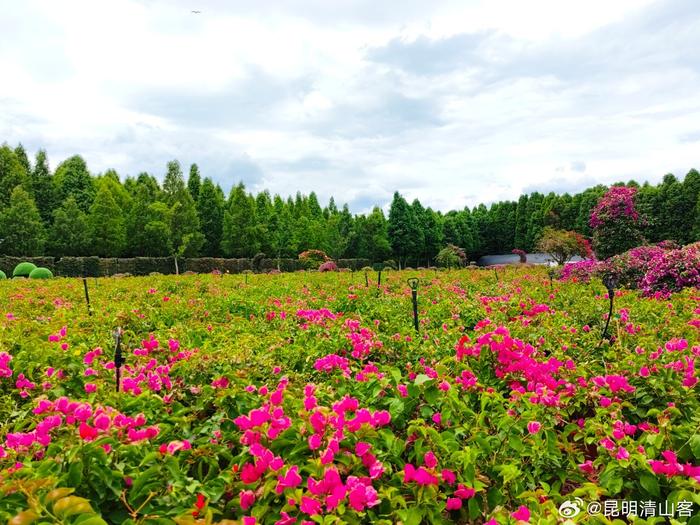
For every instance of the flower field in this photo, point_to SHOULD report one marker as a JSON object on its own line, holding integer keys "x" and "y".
{"x": 310, "y": 398}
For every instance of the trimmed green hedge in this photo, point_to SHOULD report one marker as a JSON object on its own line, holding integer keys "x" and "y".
{"x": 100, "y": 267}
{"x": 8, "y": 264}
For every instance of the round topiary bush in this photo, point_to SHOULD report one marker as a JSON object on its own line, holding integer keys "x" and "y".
{"x": 23, "y": 269}
{"x": 41, "y": 273}
{"x": 2, "y": 275}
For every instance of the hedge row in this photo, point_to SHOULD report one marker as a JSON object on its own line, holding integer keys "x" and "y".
{"x": 98, "y": 267}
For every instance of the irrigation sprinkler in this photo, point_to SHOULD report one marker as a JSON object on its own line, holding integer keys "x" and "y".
{"x": 379, "y": 278}
{"x": 118, "y": 358}
{"x": 87, "y": 296}
{"x": 610, "y": 282}
{"x": 413, "y": 283}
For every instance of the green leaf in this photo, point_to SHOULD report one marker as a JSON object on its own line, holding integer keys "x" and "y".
{"x": 611, "y": 479}
{"x": 421, "y": 378}
{"x": 75, "y": 473}
{"x": 695, "y": 445}
{"x": 650, "y": 484}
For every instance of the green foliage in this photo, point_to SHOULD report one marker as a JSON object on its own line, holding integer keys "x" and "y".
{"x": 413, "y": 234}
{"x": 194, "y": 182}
{"x": 528, "y": 408}
{"x": 451, "y": 256}
{"x": 69, "y": 233}
{"x": 404, "y": 232}
{"x": 240, "y": 237}
{"x": 23, "y": 269}
{"x": 72, "y": 178}
{"x": 12, "y": 173}
{"x": 562, "y": 245}
{"x": 42, "y": 187}
{"x": 106, "y": 225}
{"x": 21, "y": 229}
{"x": 2, "y": 275}
{"x": 210, "y": 209}
{"x": 40, "y": 273}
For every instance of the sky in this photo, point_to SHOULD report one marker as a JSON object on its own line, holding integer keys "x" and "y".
{"x": 451, "y": 102}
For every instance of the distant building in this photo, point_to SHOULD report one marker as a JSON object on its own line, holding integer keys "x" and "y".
{"x": 512, "y": 258}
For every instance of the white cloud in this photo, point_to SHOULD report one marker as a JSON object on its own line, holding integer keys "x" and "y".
{"x": 452, "y": 102}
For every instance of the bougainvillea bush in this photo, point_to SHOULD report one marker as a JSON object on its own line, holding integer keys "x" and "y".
{"x": 657, "y": 270}
{"x": 310, "y": 398}
{"x": 616, "y": 223}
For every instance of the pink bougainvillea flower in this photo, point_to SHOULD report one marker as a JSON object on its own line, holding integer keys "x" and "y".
{"x": 622, "y": 453}
{"x": 247, "y": 498}
{"x": 310, "y": 506}
{"x": 453, "y": 504}
{"x": 429, "y": 460}
{"x": 448, "y": 476}
{"x": 290, "y": 479}
{"x": 522, "y": 514}
{"x": 533, "y": 427}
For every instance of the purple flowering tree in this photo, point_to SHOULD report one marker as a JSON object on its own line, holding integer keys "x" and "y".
{"x": 616, "y": 223}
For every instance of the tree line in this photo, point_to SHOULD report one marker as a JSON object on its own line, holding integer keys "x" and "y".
{"x": 72, "y": 212}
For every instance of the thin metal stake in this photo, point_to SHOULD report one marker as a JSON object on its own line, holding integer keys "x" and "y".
{"x": 118, "y": 358}
{"x": 413, "y": 283}
{"x": 87, "y": 296}
{"x": 610, "y": 282}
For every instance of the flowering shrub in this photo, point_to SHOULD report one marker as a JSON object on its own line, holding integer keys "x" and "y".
{"x": 328, "y": 266}
{"x": 521, "y": 254}
{"x": 580, "y": 271}
{"x": 312, "y": 259}
{"x": 616, "y": 223}
{"x": 672, "y": 270}
{"x": 630, "y": 267}
{"x": 309, "y": 398}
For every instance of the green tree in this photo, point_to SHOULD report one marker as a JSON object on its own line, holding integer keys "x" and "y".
{"x": 21, "y": 229}
{"x": 148, "y": 226}
{"x": 69, "y": 233}
{"x": 12, "y": 173}
{"x": 187, "y": 239}
{"x": 240, "y": 232}
{"x": 562, "y": 245}
{"x": 157, "y": 231}
{"x": 194, "y": 182}
{"x": 174, "y": 183}
{"x": 23, "y": 159}
{"x": 210, "y": 209}
{"x": 106, "y": 224}
{"x": 402, "y": 229}
{"x": 280, "y": 229}
{"x": 42, "y": 186}
{"x": 72, "y": 178}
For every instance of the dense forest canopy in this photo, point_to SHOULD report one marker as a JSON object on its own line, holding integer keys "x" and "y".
{"x": 70, "y": 211}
